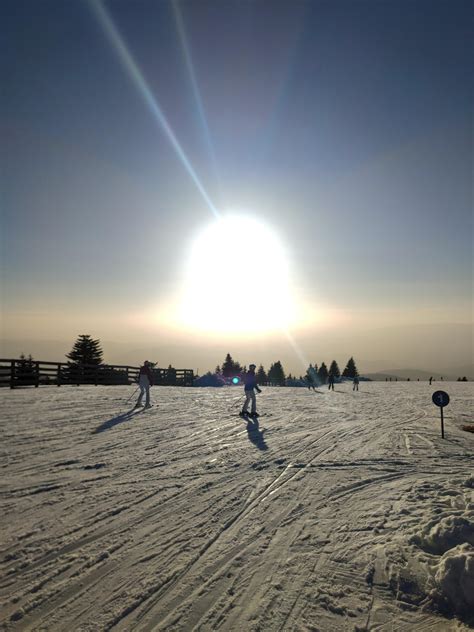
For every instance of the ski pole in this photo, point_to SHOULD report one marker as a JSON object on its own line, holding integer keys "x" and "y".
{"x": 132, "y": 395}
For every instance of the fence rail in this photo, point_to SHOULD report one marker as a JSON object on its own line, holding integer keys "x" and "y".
{"x": 24, "y": 372}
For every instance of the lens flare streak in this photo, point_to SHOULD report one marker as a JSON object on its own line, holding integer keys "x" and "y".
{"x": 137, "y": 77}
{"x": 293, "y": 344}
{"x": 192, "y": 77}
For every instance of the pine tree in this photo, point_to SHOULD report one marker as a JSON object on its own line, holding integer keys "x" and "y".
{"x": 334, "y": 369}
{"x": 85, "y": 351}
{"x": 351, "y": 369}
{"x": 323, "y": 373}
{"x": 217, "y": 369}
{"x": 230, "y": 367}
{"x": 277, "y": 374}
{"x": 227, "y": 366}
{"x": 261, "y": 376}
{"x": 25, "y": 369}
{"x": 312, "y": 375}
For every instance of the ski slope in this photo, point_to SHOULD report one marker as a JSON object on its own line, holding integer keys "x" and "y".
{"x": 338, "y": 511}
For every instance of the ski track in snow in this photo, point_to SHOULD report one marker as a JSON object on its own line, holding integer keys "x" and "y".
{"x": 336, "y": 511}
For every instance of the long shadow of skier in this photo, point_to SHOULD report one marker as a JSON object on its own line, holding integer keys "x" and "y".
{"x": 116, "y": 420}
{"x": 255, "y": 434}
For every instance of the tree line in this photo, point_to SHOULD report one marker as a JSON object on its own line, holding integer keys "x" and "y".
{"x": 276, "y": 376}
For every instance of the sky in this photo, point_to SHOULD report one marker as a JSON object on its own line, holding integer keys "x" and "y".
{"x": 277, "y": 180}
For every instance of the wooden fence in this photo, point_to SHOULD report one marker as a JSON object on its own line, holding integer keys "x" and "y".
{"x": 24, "y": 372}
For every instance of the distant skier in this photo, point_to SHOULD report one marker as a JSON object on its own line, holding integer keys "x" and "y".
{"x": 355, "y": 384}
{"x": 145, "y": 380}
{"x": 331, "y": 381}
{"x": 250, "y": 387}
{"x": 431, "y": 379}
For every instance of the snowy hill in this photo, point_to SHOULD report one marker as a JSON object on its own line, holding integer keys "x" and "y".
{"x": 336, "y": 511}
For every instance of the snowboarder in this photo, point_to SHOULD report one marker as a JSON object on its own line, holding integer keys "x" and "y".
{"x": 145, "y": 380}
{"x": 331, "y": 381}
{"x": 355, "y": 385}
{"x": 250, "y": 387}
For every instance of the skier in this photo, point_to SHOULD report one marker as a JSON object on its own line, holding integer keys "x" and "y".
{"x": 355, "y": 385}
{"x": 249, "y": 390}
{"x": 145, "y": 380}
{"x": 331, "y": 381}
{"x": 431, "y": 379}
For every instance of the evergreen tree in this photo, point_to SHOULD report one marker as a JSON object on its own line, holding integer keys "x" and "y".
{"x": 311, "y": 376}
{"x": 85, "y": 351}
{"x": 217, "y": 369}
{"x": 315, "y": 367}
{"x": 271, "y": 373}
{"x": 323, "y": 373}
{"x": 351, "y": 369}
{"x": 334, "y": 369}
{"x": 276, "y": 375}
{"x": 25, "y": 369}
{"x": 230, "y": 367}
{"x": 261, "y": 376}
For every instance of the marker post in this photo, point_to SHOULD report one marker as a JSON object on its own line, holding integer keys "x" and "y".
{"x": 441, "y": 399}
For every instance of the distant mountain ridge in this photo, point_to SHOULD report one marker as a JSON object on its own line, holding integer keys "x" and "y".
{"x": 423, "y": 375}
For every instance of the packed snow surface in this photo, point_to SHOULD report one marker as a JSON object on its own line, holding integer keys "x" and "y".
{"x": 336, "y": 511}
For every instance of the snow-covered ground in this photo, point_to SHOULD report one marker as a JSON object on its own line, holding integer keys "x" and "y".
{"x": 338, "y": 511}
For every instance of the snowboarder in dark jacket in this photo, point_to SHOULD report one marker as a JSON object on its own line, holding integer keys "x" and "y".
{"x": 250, "y": 387}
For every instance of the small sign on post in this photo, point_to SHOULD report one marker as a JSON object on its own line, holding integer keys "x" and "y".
{"x": 441, "y": 399}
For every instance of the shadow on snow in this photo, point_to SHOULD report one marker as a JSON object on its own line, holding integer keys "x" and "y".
{"x": 255, "y": 434}
{"x": 116, "y": 420}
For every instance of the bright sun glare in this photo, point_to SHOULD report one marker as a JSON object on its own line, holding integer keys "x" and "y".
{"x": 237, "y": 279}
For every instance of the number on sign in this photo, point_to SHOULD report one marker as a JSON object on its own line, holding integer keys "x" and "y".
{"x": 440, "y": 398}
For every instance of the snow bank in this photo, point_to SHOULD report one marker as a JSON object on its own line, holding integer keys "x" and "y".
{"x": 433, "y": 559}
{"x": 446, "y": 534}
{"x": 455, "y": 580}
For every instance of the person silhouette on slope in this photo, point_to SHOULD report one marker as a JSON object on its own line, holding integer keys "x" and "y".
{"x": 331, "y": 381}
{"x": 250, "y": 387}
{"x": 145, "y": 380}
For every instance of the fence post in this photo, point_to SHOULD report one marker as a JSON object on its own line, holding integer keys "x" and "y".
{"x": 12, "y": 374}
{"x": 37, "y": 374}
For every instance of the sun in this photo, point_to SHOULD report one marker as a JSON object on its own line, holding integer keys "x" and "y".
{"x": 237, "y": 279}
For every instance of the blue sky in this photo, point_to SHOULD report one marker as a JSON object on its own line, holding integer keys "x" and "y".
{"x": 346, "y": 126}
